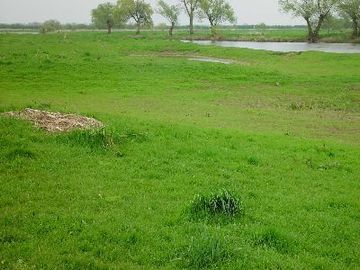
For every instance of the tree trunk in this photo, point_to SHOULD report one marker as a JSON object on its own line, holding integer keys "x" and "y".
{"x": 310, "y": 31}
{"x": 313, "y": 34}
{"x": 191, "y": 23}
{"x": 318, "y": 28}
{"x": 171, "y": 29}
{"x": 356, "y": 32}
{"x": 138, "y": 28}
{"x": 213, "y": 29}
{"x": 109, "y": 26}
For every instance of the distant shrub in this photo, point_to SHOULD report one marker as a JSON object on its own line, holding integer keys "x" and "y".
{"x": 205, "y": 251}
{"x": 50, "y": 26}
{"x": 221, "y": 203}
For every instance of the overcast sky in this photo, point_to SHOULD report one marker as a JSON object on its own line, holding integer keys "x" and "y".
{"x": 78, "y": 11}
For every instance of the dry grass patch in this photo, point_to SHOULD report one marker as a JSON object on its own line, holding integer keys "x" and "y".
{"x": 55, "y": 121}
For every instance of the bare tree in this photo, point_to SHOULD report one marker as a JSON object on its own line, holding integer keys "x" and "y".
{"x": 190, "y": 7}
{"x": 169, "y": 12}
{"x": 352, "y": 9}
{"x": 138, "y": 10}
{"x": 216, "y": 12}
{"x": 313, "y": 11}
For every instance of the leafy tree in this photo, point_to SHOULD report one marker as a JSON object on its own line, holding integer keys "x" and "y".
{"x": 169, "y": 12}
{"x": 335, "y": 22}
{"x": 261, "y": 26}
{"x": 104, "y": 16}
{"x": 313, "y": 11}
{"x": 352, "y": 9}
{"x": 138, "y": 10}
{"x": 50, "y": 26}
{"x": 190, "y": 7}
{"x": 216, "y": 11}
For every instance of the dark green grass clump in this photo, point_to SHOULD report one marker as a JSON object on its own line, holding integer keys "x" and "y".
{"x": 20, "y": 153}
{"x": 101, "y": 139}
{"x": 94, "y": 139}
{"x": 273, "y": 239}
{"x": 222, "y": 203}
{"x": 205, "y": 251}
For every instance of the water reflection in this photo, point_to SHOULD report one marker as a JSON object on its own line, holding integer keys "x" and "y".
{"x": 285, "y": 46}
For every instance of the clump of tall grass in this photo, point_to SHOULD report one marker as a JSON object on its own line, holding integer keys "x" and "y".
{"x": 253, "y": 161}
{"x": 273, "y": 239}
{"x": 205, "y": 251}
{"x": 94, "y": 139}
{"x": 222, "y": 203}
{"x": 100, "y": 138}
{"x": 20, "y": 153}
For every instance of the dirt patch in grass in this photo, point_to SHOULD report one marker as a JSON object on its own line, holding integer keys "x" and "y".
{"x": 192, "y": 57}
{"x": 211, "y": 60}
{"x": 55, "y": 121}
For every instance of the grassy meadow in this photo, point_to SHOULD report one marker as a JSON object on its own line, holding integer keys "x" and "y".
{"x": 279, "y": 131}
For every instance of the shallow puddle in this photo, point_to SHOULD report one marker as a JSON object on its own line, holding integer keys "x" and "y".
{"x": 285, "y": 46}
{"x": 211, "y": 60}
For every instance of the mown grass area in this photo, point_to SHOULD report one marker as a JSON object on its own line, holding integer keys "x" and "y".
{"x": 279, "y": 132}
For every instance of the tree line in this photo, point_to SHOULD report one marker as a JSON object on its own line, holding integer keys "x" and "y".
{"x": 110, "y": 15}
{"x": 316, "y": 13}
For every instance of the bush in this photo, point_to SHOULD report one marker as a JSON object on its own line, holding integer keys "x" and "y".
{"x": 50, "y": 26}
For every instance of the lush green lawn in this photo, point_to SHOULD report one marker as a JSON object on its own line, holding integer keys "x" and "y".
{"x": 280, "y": 131}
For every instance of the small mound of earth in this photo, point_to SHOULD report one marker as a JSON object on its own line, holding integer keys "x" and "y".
{"x": 55, "y": 121}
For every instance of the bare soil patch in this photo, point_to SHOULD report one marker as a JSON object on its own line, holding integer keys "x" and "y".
{"x": 55, "y": 121}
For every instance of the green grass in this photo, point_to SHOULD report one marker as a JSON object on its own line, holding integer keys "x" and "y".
{"x": 281, "y": 131}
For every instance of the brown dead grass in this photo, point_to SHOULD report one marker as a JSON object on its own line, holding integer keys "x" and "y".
{"x": 55, "y": 121}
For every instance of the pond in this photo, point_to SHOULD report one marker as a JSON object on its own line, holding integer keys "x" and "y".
{"x": 285, "y": 46}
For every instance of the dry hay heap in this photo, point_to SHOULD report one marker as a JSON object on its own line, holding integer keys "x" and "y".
{"x": 55, "y": 121}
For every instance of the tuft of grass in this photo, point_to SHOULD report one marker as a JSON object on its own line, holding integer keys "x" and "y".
{"x": 94, "y": 139}
{"x": 205, "y": 251}
{"x": 273, "y": 239}
{"x": 253, "y": 161}
{"x": 222, "y": 203}
{"x": 299, "y": 106}
{"x": 20, "y": 153}
{"x": 101, "y": 139}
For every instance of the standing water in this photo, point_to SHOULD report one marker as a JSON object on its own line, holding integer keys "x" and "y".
{"x": 285, "y": 46}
